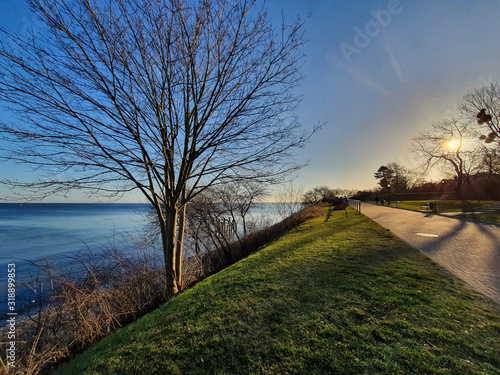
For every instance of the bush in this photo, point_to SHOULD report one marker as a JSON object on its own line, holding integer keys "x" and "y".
{"x": 109, "y": 291}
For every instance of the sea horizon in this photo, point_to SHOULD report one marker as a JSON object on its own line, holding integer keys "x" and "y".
{"x": 57, "y": 233}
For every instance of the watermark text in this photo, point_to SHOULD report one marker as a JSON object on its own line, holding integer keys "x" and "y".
{"x": 363, "y": 36}
{"x": 11, "y": 315}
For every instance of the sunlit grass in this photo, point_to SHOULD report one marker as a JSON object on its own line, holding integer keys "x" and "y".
{"x": 452, "y": 206}
{"x": 447, "y": 206}
{"x": 487, "y": 217}
{"x": 332, "y": 296}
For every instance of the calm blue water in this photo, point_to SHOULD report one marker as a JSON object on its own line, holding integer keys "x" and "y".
{"x": 33, "y": 231}
{"x": 56, "y": 231}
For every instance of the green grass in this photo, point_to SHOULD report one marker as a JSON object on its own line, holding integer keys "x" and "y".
{"x": 487, "y": 217}
{"x": 457, "y": 206}
{"x": 446, "y": 206}
{"x": 332, "y": 296}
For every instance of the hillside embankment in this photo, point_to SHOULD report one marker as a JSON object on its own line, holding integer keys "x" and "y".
{"x": 337, "y": 294}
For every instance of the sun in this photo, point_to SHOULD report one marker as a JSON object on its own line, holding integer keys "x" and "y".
{"x": 454, "y": 143}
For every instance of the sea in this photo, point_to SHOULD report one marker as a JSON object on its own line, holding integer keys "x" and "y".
{"x": 34, "y": 235}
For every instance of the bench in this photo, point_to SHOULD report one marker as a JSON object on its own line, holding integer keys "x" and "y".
{"x": 429, "y": 206}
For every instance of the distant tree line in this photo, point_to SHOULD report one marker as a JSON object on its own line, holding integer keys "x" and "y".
{"x": 325, "y": 194}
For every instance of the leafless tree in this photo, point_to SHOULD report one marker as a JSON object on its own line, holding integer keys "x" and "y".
{"x": 238, "y": 199}
{"x": 405, "y": 179}
{"x": 318, "y": 194}
{"x": 220, "y": 218}
{"x": 483, "y": 106}
{"x": 167, "y": 97}
{"x": 289, "y": 200}
{"x": 491, "y": 161}
{"x": 450, "y": 144}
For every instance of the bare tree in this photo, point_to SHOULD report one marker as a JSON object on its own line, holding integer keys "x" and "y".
{"x": 219, "y": 219}
{"x": 446, "y": 146}
{"x": 404, "y": 179}
{"x": 483, "y": 105}
{"x": 289, "y": 200}
{"x": 164, "y": 97}
{"x": 491, "y": 161}
{"x": 318, "y": 194}
{"x": 238, "y": 199}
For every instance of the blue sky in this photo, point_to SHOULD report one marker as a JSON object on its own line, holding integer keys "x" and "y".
{"x": 377, "y": 72}
{"x": 415, "y": 69}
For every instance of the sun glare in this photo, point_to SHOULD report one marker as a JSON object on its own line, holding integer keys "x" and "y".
{"x": 454, "y": 143}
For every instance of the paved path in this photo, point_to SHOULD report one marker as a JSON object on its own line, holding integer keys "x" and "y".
{"x": 469, "y": 250}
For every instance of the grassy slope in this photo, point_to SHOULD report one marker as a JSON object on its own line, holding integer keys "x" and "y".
{"x": 335, "y": 296}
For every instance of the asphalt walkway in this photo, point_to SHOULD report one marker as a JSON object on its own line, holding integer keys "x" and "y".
{"x": 469, "y": 250}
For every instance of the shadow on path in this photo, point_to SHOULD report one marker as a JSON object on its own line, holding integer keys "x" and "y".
{"x": 468, "y": 249}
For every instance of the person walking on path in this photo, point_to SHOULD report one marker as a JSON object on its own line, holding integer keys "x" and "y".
{"x": 377, "y": 199}
{"x": 467, "y": 249}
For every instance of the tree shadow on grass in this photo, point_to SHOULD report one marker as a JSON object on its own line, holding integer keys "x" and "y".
{"x": 329, "y": 214}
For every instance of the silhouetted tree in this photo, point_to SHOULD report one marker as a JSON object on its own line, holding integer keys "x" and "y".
{"x": 395, "y": 178}
{"x": 384, "y": 175}
{"x": 483, "y": 106}
{"x": 445, "y": 146}
{"x": 318, "y": 194}
{"x": 491, "y": 161}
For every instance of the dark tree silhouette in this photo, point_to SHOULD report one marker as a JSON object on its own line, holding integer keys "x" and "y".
{"x": 483, "y": 105}
{"x": 395, "y": 178}
{"x": 444, "y": 146}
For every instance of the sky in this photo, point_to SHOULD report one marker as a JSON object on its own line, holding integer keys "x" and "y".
{"x": 376, "y": 73}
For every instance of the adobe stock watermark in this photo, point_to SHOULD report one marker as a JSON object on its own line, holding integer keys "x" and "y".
{"x": 11, "y": 316}
{"x": 363, "y": 36}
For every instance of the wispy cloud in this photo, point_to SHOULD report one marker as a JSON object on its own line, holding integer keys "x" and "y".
{"x": 358, "y": 77}
{"x": 367, "y": 81}
{"x": 394, "y": 62}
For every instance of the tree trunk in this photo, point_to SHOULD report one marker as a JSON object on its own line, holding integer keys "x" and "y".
{"x": 244, "y": 226}
{"x": 168, "y": 234}
{"x": 178, "y": 250}
{"x": 460, "y": 187}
